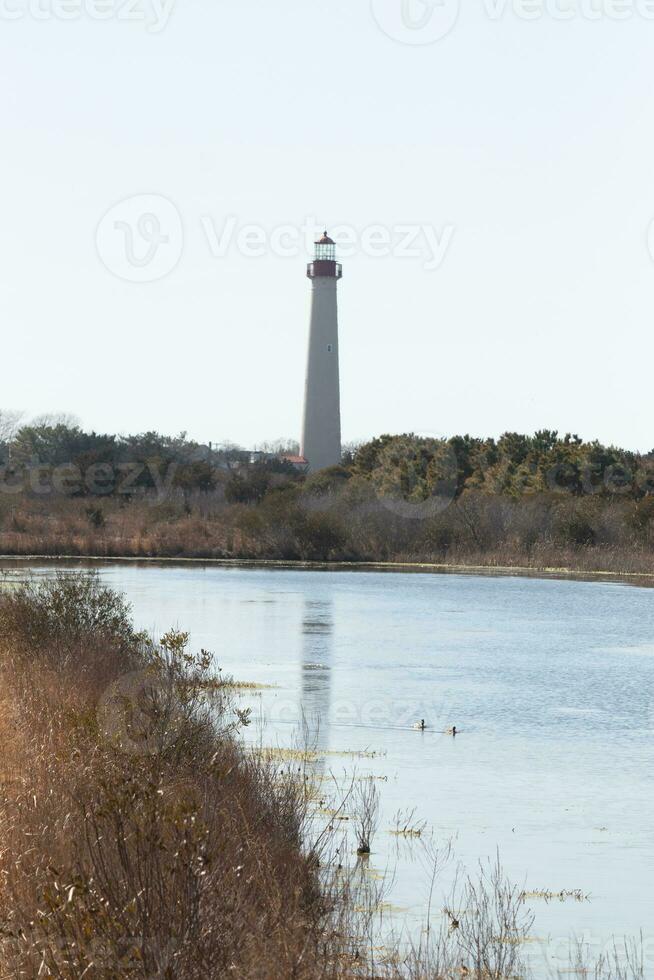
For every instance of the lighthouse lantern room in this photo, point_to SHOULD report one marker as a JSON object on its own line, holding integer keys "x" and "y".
{"x": 324, "y": 261}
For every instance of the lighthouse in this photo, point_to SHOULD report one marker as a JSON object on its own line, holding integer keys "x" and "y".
{"x": 321, "y": 427}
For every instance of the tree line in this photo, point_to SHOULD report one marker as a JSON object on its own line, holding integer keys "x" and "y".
{"x": 544, "y": 499}
{"x": 406, "y": 467}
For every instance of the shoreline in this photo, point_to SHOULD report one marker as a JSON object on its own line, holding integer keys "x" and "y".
{"x": 644, "y": 579}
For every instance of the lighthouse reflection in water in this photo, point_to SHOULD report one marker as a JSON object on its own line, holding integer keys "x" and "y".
{"x": 317, "y": 640}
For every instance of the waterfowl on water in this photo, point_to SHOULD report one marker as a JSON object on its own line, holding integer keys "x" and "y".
{"x": 420, "y": 727}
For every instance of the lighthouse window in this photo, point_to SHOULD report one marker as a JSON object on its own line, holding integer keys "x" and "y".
{"x": 329, "y": 348}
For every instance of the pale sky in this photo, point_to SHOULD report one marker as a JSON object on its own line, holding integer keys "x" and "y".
{"x": 525, "y": 147}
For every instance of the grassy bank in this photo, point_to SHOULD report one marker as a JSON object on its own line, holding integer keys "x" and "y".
{"x": 138, "y": 840}
{"x": 539, "y": 533}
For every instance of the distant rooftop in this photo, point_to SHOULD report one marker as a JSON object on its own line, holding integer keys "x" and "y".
{"x": 295, "y": 460}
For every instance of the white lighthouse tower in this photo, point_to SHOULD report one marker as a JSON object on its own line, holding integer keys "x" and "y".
{"x": 321, "y": 427}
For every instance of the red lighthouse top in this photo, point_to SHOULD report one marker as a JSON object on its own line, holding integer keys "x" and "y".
{"x": 324, "y": 263}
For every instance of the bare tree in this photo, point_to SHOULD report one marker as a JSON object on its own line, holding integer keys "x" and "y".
{"x": 366, "y": 813}
{"x": 290, "y": 447}
{"x": 52, "y": 419}
{"x": 493, "y": 923}
{"x": 622, "y": 961}
{"x": 9, "y": 424}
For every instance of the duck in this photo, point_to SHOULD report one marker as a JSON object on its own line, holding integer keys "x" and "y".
{"x": 452, "y": 731}
{"x": 420, "y": 725}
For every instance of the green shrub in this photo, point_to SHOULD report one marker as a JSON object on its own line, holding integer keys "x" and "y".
{"x": 60, "y": 614}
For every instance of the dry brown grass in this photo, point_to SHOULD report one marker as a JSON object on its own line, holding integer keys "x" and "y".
{"x": 139, "y": 853}
{"x": 538, "y": 531}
